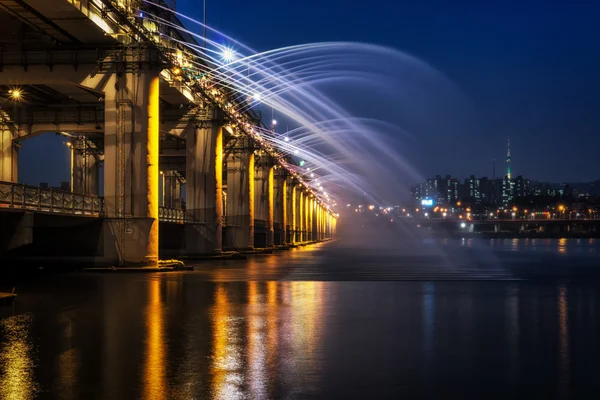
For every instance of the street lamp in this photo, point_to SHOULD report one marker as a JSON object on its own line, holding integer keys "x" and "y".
{"x": 15, "y": 94}
{"x": 228, "y": 55}
{"x": 561, "y": 208}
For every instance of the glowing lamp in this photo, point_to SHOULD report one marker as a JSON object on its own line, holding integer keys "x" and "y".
{"x": 228, "y": 55}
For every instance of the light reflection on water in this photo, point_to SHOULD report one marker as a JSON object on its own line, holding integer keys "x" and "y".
{"x": 182, "y": 336}
{"x": 17, "y": 359}
{"x": 154, "y": 368}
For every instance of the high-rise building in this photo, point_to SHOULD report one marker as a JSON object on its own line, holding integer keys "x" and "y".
{"x": 521, "y": 187}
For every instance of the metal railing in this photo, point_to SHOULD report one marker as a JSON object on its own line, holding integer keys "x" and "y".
{"x": 14, "y": 195}
{"x": 179, "y": 216}
{"x": 176, "y": 215}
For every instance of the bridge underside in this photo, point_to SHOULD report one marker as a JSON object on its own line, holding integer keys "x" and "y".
{"x": 94, "y": 72}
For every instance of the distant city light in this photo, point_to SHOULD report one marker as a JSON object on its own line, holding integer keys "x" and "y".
{"x": 463, "y": 225}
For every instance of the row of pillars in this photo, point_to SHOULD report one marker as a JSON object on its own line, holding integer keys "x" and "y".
{"x": 265, "y": 207}
{"x": 260, "y": 195}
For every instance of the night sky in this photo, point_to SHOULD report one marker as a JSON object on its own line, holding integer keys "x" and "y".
{"x": 528, "y": 70}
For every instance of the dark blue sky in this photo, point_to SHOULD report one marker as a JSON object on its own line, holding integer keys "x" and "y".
{"x": 530, "y": 69}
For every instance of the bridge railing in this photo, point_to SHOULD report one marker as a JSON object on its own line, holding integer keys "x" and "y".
{"x": 179, "y": 216}
{"x": 176, "y": 215}
{"x": 14, "y": 195}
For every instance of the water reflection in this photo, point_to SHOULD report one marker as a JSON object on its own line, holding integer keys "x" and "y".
{"x": 155, "y": 365}
{"x": 271, "y": 337}
{"x": 226, "y": 368}
{"x": 68, "y": 361}
{"x": 257, "y": 373}
{"x": 512, "y": 331}
{"x": 562, "y": 246}
{"x": 17, "y": 380}
{"x": 564, "y": 361}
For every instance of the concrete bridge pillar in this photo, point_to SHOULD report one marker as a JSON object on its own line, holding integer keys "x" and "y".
{"x": 280, "y": 206}
{"x": 85, "y": 171}
{"x": 313, "y": 219}
{"x": 240, "y": 196}
{"x": 333, "y": 227}
{"x": 320, "y": 222}
{"x": 263, "y": 200}
{"x": 8, "y": 156}
{"x": 299, "y": 215}
{"x": 131, "y": 165}
{"x": 307, "y": 217}
{"x": 204, "y": 189}
{"x": 291, "y": 210}
{"x": 171, "y": 190}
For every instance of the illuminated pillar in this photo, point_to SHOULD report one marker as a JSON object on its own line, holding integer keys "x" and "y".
{"x": 171, "y": 190}
{"x": 84, "y": 168}
{"x": 319, "y": 222}
{"x": 299, "y": 214}
{"x": 204, "y": 189}
{"x": 306, "y": 218}
{"x": 291, "y": 211}
{"x": 311, "y": 218}
{"x": 323, "y": 223}
{"x": 131, "y": 165}
{"x": 8, "y": 156}
{"x": 240, "y": 196}
{"x": 280, "y": 206}
{"x": 333, "y": 227}
{"x": 263, "y": 201}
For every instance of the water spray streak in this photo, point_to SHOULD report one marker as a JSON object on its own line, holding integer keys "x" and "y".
{"x": 338, "y": 151}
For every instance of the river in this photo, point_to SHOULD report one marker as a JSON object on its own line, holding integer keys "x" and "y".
{"x": 514, "y": 318}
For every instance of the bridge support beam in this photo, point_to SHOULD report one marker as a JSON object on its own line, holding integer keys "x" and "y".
{"x": 8, "y": 156}
{"x": 290, "y": 211}
{"x": 280, "y": 224}
{"x": 311, "y": 218}
{"x": 319, "y": 222}
{"x": 171, "y": 190}
{"x": 263, "y": 201}
{"x": 85, "y": 172}
{"x": 131, "y": 167}
{"x": 299, "y": 215}
{"x": 204, "y": 189}
{"x": 306, "y": 215}
{"x": 240, "y": 197}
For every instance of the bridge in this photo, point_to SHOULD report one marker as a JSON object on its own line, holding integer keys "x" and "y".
{"x": 128, "y": 98}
